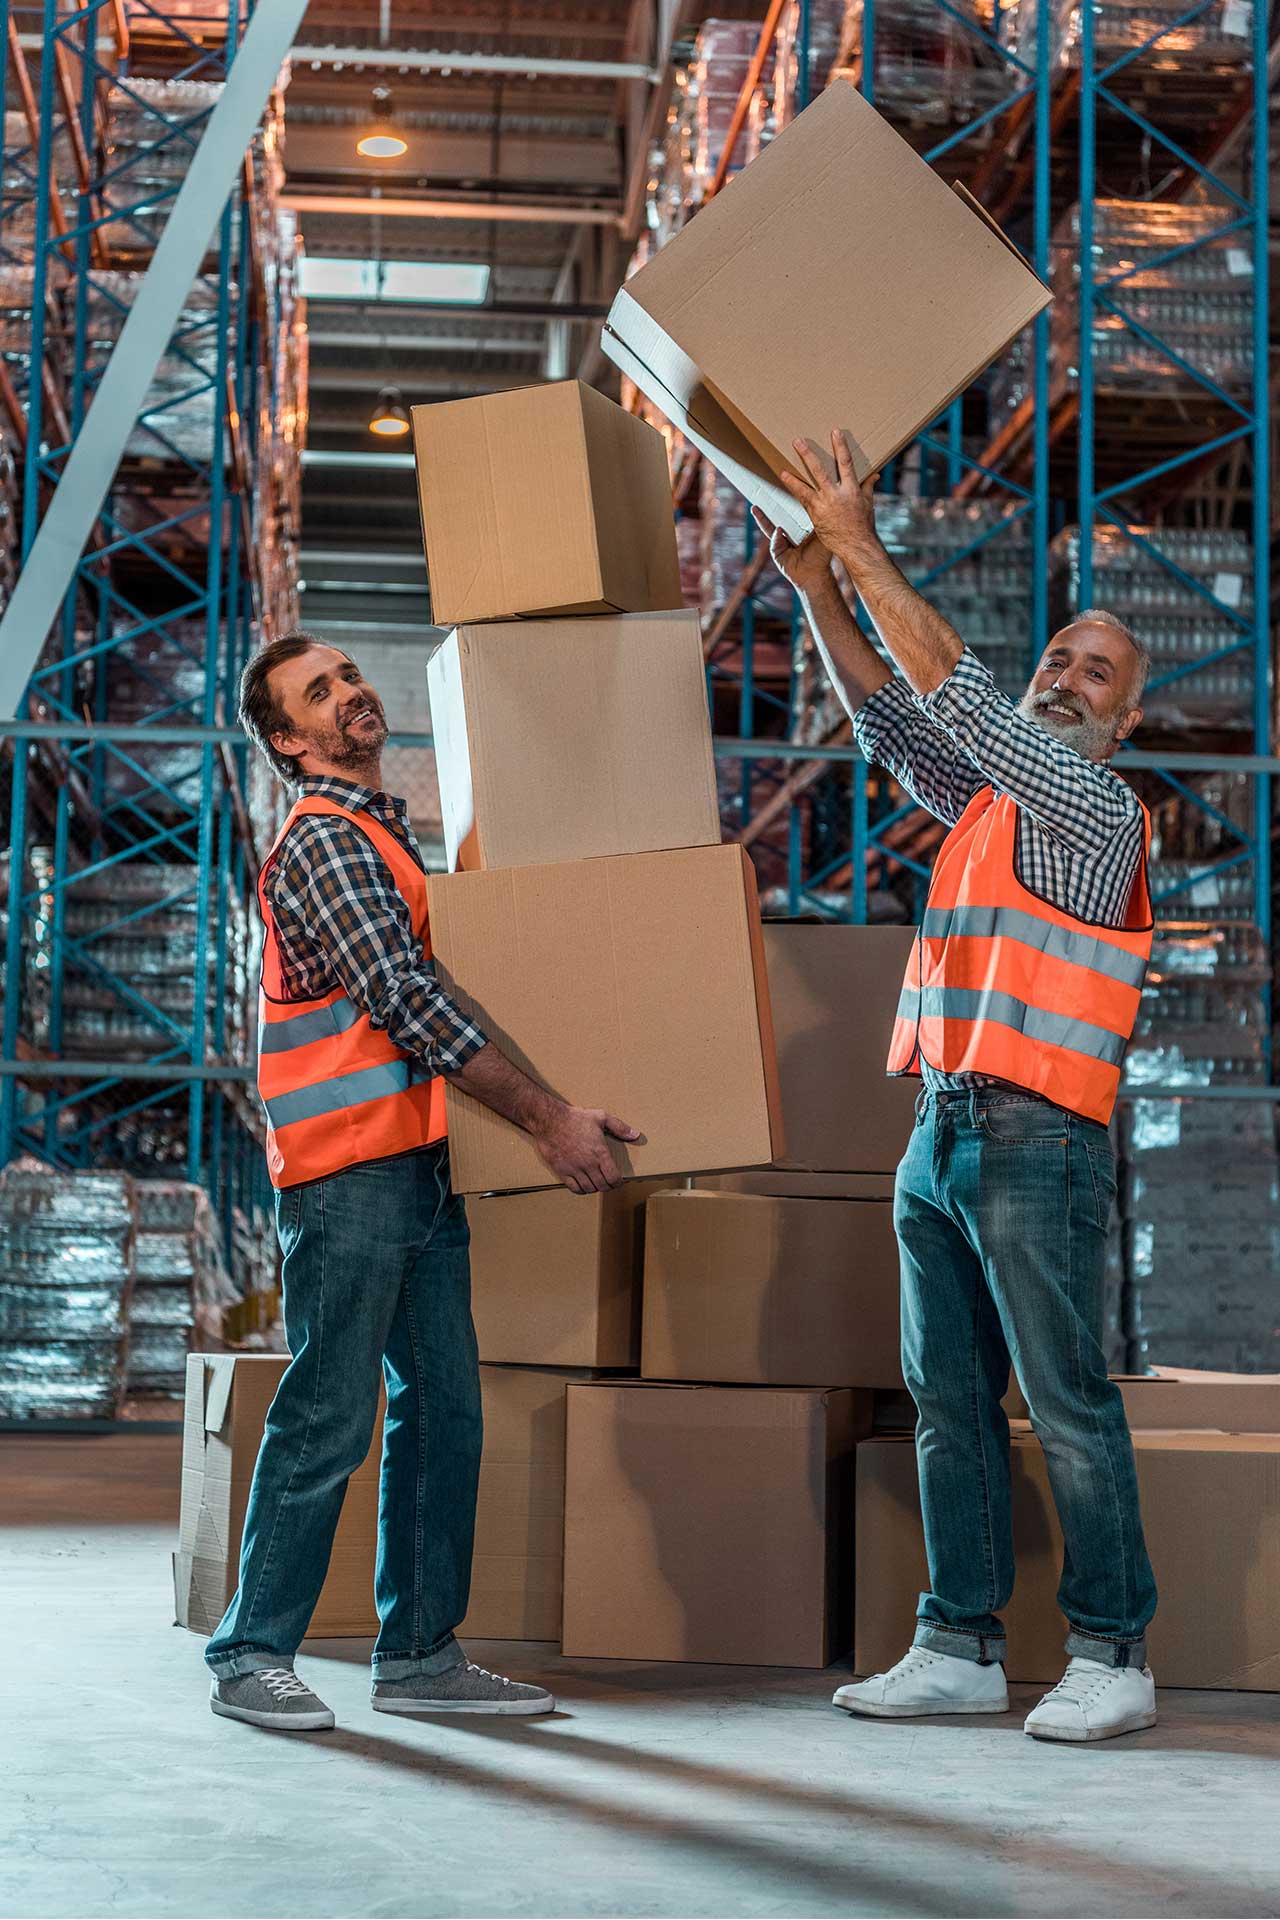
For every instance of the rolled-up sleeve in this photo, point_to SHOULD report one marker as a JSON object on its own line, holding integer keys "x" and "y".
{"x": 893, "y": 732}
{"x": 1078, "y": 802}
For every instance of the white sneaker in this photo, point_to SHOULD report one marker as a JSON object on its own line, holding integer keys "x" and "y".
{"x": 1093, "y": 1701}
{"x": 925, "y": 1682}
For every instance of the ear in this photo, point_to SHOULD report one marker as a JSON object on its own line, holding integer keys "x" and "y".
{"x": 291, "y": 745}
{"x": 1129, "y": 723}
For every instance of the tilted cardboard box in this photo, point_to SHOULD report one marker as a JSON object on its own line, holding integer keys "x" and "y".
{"x": 634, "y": 984}
{"x": 838, "y": 281}
{"x": 544, "y": 500}
{"x": 564, "y": 739}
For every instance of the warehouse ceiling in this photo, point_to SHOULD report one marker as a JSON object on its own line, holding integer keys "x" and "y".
{"x": 527, "y": 157}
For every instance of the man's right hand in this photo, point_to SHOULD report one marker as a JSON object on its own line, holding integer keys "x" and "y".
{"x": 807, "y": 566}
{"x": 574, "y": 1143}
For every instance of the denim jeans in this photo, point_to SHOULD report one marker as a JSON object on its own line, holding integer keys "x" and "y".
{"x": 376, "y": 1275}
{"x": 1001, "y": 1209}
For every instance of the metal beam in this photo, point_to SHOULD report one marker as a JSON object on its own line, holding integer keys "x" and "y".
{"x": 525, "y": 211}
{"x": 522, "y": 66}
{"x": 460, "y": 310}
{"x": 96, "y": 453}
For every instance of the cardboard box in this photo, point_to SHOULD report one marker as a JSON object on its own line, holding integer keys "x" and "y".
{"x": 516, "y": 1572}
{"x": 837, "y": 282}
{"x": 1211, "y": 1512}
{"x": 835, "y": 992}
{"x": 544, "y": 500}
{"x": 710, "y": 1523}
{"x": 228, "y": 1395}
{"x": 562, "y": 739}
{"x": 1180, "y": 1397}
{"x": 556, "y": 1276}
{"x": 634, "y": 984}
{"x": 800, "y": 1186}
{"x": 749, "y": 1288}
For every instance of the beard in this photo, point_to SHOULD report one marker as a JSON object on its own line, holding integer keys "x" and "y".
{"x": 1093, "y": 735}
{"x": 352, "y": 744}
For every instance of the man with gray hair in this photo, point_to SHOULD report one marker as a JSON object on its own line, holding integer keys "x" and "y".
{"x": 1019, "y": 1000}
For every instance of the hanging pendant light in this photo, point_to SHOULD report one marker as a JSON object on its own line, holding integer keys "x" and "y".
{"x": 390, "y": 415}
{"x": 381, "y": 142}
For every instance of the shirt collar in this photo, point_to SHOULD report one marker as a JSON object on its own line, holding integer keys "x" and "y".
{"x": 348, "y": 794}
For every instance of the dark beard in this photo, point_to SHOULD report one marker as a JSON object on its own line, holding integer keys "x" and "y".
{"x": 357, "y": 757}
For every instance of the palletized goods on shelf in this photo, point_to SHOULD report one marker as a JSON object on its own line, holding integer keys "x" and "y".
{"x": 181, "y": 1286}
{"x": 1215, "y": 35}
{"x": 931, "y": 68}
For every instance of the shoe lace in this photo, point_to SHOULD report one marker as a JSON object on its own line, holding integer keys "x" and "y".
{"x": 911, "y": 1662}
{"x": 485, "y": 1674}
{"x": 1079, "y": 1684}
{"x": 282, "y": 1683}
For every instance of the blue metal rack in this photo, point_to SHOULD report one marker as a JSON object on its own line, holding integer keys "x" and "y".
{"x": 163, "y": 601}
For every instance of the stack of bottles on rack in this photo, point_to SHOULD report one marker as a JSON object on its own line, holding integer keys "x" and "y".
{"x": 1212, "y": 36}
{"x": 826, "y": 28}
{"x": 1200, "y": 303}
{"x": 1180, "y": 624}
{"x": 931, "y": 69}
{"x": 181, "y": 1286}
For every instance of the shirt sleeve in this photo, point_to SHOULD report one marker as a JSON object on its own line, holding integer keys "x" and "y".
{"x": 1077, "y": 802}
{"x": 894, "y": 733}
{"x": 335, "y": 885}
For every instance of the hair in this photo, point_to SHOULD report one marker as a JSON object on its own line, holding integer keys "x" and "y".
{"x": 1099, "y": 617}
{"x": 261, "y": 714}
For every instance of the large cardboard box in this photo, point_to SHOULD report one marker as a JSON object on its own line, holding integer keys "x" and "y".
{"x": 635, "y": 984}
{"x": 1181, "y": 1397}
{"x": 756, "y": 1289}
{"x": 516, "y": 1572}
{"x": 837, "y": 282}
{"x": 1211, "y": 1512}
{"x": 835, "y": 993}
{"x": 227, "y": 1398}
{"x": 561, "y": 739}
{"x": 556, "y": 1276}
{"x": 710, "y": 1523}
{"x": 544, "y": 500}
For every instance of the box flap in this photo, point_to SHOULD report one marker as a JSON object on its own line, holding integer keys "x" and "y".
{"x": 219, "y": 1377}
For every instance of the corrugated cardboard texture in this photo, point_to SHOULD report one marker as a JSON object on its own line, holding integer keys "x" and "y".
{"x": 709, "y": 1523}
{"x": 635, "y": 984}
{"x": 835, "y": 992}
{"x": 516, "y": 1572}
{"x": 556, "y": 1276}
{"x": 226, "y": 1408}
{"x": 801, "y": 1186}
{"x": 741, "y": 1287}
{"x": 837, "y": 282}
{"x": 1211, "y": 1511}
{"x": 563, "y": 739}
{"x": 543, "y": 500}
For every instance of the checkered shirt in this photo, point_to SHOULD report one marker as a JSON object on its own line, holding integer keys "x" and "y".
{"x": 341, "y": 922}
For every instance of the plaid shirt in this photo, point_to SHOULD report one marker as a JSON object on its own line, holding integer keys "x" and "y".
{"x": 1080, "y": 831}
{"x": 341, "y": 921}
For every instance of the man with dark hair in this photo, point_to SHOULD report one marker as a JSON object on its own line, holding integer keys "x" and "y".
{"x": 357, "y": 1039}
{"x": 1019, "y": 1000}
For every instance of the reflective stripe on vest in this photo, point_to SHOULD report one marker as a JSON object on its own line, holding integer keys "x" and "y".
{"x": 336, "y": 1090}
{"x": 1002, "y": 983}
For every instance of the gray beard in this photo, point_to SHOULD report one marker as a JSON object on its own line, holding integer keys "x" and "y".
{"x": 1091, "y": 736}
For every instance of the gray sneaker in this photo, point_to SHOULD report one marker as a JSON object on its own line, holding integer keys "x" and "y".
{"x": 465, "y": 1688}
{"x": 271, "y": 1697}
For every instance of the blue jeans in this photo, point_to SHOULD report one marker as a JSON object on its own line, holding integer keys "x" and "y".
{"x": 376, "y": 1276}
{"x": 1001, "y": 1209}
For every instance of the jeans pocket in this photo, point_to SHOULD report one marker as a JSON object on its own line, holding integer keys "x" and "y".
{"x": 1023, "y": 1123}
{"x": 1101, "y": 1160}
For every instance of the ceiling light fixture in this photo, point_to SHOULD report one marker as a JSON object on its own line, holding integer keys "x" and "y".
{"x": 390, "y": 416}
{"x": 381, "y": 142}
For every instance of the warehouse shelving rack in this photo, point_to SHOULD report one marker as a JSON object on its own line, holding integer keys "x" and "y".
{"x": 170, "y": 588}
{"x": 1041, "y": 151}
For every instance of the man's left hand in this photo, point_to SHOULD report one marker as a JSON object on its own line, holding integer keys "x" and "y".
{"x": 841, "y": 510}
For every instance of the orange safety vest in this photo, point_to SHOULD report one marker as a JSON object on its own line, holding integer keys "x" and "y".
{"x": 999, "y": 982}
{"x": 336, "y": 1090}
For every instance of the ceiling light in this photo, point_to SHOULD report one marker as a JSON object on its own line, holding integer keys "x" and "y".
{"x": 381, "y": 142}
{"x": 390, "y": 415}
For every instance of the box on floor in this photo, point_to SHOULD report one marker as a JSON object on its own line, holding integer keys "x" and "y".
{"x": 564, "y": 739}
{"x": 1211, "y": 1513}
{"x": 838, "y": 281}
{"x": 227, "y": 1398}
{"x": 635, "y": 984}
{"x": 751, "y": 1288}
{"x": 1185, "y": 1399}
{"x": 544, "y": 500}
{"x": 556, "y": 1276}
{"x": 834, "y": 992}
{"x": 710, "y": 1523}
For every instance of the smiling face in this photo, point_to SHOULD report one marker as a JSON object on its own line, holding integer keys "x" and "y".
{"x": 336, "y": 722}
{"x": 1085, "y": 690}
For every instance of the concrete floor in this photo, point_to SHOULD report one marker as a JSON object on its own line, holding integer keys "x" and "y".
{"x": 655, "y": 1790}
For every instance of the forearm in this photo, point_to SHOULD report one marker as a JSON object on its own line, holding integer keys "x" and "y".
{"x": 853, "y": 666}
{"x": 925, "y": 646}
{"x": 497, "y": 1082}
